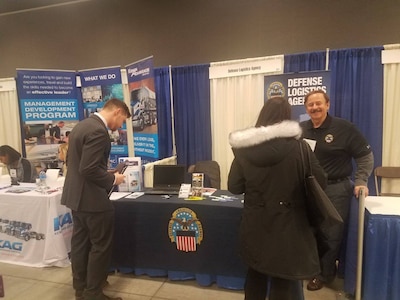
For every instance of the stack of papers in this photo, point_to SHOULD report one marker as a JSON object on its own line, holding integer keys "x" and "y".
{"x": 127, "y": 195}
{"x": 118, "y": 195}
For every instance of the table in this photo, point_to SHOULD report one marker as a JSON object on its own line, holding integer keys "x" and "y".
{"x": 151, "y": 232}
{"x": 381, "y": 258}
{"x": 35, "y": 229}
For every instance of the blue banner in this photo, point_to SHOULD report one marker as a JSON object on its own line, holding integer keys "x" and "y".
{"x": 294, "y": 87}
{"x": 144, "y": 109}
{"x": 49, "y": 109}
{"x": 97, "y": 87}
{"x": 47, "y": 95}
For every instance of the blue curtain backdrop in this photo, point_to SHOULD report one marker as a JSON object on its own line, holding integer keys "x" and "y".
{"x": 357, "y": 88}
{"x": 305, "y": 62}
{"x": 357, "y": 93}
{"x": 191, "y": 93}
{"x": 164, "y": 117}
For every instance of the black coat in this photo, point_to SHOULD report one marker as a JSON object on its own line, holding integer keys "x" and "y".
{"x": 275, "y": 235}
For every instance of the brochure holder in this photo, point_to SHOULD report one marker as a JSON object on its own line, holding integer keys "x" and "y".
{"x": 197, "y": 184}
{"x": 133, "y": 174}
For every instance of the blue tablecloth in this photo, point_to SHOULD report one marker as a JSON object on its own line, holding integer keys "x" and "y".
{"x": 381, "y": 258}
{"x": 143, "y": 245}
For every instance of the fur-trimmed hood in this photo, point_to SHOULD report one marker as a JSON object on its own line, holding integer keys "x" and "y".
{"x": 257, "y": 135}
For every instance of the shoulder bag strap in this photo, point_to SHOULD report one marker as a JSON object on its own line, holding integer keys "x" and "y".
{"x": 309, "y": 158}
{"x": 303, "y": 158}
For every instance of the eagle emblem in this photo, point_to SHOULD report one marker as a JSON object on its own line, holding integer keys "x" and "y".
{"x": 184, "y": 229}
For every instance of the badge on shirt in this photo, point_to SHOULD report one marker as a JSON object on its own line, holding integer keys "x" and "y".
{"x": 329, "y": 138}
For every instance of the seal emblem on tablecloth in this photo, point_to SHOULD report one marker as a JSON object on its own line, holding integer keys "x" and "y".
{"x": 184, "y": 229}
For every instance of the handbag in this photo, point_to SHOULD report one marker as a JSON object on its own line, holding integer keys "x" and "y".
{"x": 321, "y": 211}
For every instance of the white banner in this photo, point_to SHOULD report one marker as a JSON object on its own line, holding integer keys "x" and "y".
{"x": 269, "y": 64}
{"x": 35, "y": 229}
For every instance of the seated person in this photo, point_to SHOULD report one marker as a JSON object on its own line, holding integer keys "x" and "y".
{"x": 25, "y": 170}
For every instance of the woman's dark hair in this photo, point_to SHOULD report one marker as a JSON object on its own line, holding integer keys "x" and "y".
{"x": 275, "y": 110}
{"x": 12, "y": 154}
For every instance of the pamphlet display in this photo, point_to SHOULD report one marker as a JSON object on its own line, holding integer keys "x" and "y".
{"x": 197, "y": 184}
{"x": 184, "y": 191}
{"x": 133, "y": 174}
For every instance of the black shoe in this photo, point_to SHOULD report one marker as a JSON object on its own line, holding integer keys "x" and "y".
{"x": 111, "y": 298}
{"x": 315, "y": 284}
{"x": 99, "y": 297}
{"x": 79, "y": 295}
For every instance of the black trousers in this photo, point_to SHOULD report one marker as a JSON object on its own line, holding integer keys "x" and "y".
{"x": 256, "y": 287}
{"x": 330, "y": 239}
{"x": 91, "y": 247}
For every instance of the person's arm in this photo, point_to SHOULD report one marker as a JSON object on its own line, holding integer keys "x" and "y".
{"x": 365, "y": 165}
{"x": 236, "y": 181}
{"x": 92, "y": 166}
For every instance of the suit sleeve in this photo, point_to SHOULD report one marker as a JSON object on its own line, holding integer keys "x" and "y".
{"x": 93, "y": 164}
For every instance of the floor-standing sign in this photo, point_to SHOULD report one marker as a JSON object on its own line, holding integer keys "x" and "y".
{"x": 98, "y": 86}
{"x": 144, "y": 109}
{"x": 49, "y": 110}
{"x": 294, "y": 87}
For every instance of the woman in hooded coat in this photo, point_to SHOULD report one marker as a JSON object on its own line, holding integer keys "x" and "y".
{"x": 276, "y": 239}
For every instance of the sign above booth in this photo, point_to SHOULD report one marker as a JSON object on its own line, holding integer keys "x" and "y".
{"x": 269, "y": 64}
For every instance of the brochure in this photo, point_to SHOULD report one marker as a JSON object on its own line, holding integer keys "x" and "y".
{"x": 197, "y": 184}
{"x": 133, "y": 174}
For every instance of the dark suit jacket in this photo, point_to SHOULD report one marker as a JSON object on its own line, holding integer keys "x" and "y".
{"x": 87, "y": 183}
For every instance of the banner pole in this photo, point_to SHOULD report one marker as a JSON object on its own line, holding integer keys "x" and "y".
{"x": 327, "y": 60}
{"x": 172, "y": 111}
{"x": 360, "y": 242}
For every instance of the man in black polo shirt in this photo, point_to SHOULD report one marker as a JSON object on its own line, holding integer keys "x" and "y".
{"x": 337, "y": 143}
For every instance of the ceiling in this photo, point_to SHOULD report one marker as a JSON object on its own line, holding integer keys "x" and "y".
{"x": 17, "y": 6}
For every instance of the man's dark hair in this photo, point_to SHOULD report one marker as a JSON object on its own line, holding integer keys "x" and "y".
{"x": 116, "y": 103}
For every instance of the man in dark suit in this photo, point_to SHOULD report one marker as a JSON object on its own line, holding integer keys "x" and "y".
{"x": 85, "y": 192}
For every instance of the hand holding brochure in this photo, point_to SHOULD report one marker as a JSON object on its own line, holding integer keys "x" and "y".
{"x": 132, "y": 169}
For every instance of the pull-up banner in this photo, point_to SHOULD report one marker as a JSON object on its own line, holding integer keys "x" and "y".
{"x": 49, "y": 108}
{"x": 98, "y": 86}
{"x": 144, "y": 109}
{"x": 47, "y": 95}
{"x": 294, "y": 87}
